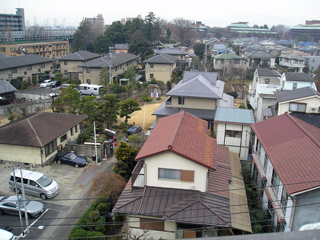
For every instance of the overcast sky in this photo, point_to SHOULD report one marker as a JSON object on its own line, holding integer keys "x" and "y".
{"x": 212, "y": 13}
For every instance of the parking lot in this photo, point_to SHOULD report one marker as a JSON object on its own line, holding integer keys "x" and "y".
{"x": 64, "y": 209}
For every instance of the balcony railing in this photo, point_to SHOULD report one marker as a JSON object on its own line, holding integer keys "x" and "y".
{"x": 138, "y": 175}
{"x": 276, "y": 204}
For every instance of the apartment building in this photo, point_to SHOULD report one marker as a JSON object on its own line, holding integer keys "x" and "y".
{"x": 12, "y": 22}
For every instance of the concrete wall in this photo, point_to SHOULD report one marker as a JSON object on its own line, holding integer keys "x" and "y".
{"x": 307, "y": 209}
{"x": 171, "y": 160}
{"x": 30, "y": 106}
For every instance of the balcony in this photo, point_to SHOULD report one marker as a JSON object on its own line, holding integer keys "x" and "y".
{"x": 276, "y": 204}
{"x": 137, "y": 178}
{"x": 257, "y": 161}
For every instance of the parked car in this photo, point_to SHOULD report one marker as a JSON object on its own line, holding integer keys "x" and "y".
{"x": 133, "y": 130}
{"x": 5, "y": 235}
{"x": 10, "y": 205}
{"x": 65, "y": 85}
{"x": 55, "y": 84}
{"x": 46, "y": 83}
{"x": 71, "y": 159}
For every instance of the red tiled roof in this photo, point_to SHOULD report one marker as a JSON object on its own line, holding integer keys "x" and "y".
{"x": 293, "y": 147}
{"x": 183, "y": 134}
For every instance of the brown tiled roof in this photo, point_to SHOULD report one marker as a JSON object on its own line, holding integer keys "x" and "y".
{"x": 180, "y": 205}
{"x": 38, "y": 129}
{"x": 293, "y": 147}
{"x": 183, "y": 134}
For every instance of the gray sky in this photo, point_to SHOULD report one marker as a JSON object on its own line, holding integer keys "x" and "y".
{"x": 212, "y": 13}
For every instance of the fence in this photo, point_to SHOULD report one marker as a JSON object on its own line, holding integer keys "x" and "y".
{"x": 29, "y": 105}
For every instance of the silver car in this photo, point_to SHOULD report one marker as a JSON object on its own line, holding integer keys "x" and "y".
{"x": 10, "y": 205}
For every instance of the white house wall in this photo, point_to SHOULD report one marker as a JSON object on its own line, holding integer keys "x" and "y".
{"x": 168, "y": 233}
{"x": 312, "y": 102}
{"x": 171, "y": 160}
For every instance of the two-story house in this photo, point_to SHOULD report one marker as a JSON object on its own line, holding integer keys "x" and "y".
{"x": 261, "y": 91}
{"x": 303, "y": 100}
{"x": 260, "y": 59}
{"x": 69, "y": 65}
{"x": 25, "y": 67}
{"x": 290, "y": 81}
{"x": 198, "y": 93}
{"x": 7, "y": 91}
{"x": 232, "y": 128}
{"x": 293, "y": 62}
{"x": 160, "y": 67}
{"x": 182, "y": 63}
{"x": 118, "y": 65}
{"x": 230, "y": 62}
{"x": 184, "y": 185}
{"x": 286, "y": 169}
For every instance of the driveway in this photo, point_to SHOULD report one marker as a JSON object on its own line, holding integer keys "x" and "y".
{"x": 67, "y": 207}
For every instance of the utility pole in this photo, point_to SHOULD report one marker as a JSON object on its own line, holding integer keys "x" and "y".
{"x": 24, "y": 202}
{"x": 15, "y": 186}
{"x": 110, "y": 63}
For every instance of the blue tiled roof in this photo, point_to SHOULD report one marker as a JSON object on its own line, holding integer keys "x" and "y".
{"x": 234, "y": 115}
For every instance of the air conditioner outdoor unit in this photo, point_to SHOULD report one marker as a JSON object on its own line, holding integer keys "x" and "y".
{"x": 313, "y": 109}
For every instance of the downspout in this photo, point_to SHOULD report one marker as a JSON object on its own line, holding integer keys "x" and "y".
{"x": 294, "y": 201}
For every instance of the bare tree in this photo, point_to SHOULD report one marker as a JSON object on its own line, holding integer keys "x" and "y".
{"x": 183, "y": 31}
{"x": 144, "y": 234}
{"x": 281, "y": 29}
{"x": 36, "y": 32}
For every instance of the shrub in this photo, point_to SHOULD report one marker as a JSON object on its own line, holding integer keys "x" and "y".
{"x": 145, "y": 98}
{"x": 24, "y": 85}
{"x": 16, "y": 83}
{"x": 83, "y": 137}
{"x": 123, "y": 126}
{"x": 242, "y": 106}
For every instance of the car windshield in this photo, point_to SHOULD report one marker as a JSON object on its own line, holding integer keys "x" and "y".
{"x": 72, "y": 156}
{"x": 21, "y": 200}
{"x": 44, "y": 181}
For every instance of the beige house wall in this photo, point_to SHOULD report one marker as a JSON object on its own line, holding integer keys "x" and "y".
{"x": 230, "y": 65}
{"x": 168, "y": 233}
{"x": 23, "y": 73}
{"x": 171, "y": 160}
{"x": 53, "y": 50}
{"x": 312, "y": 102}
{"x": 161, "y": 72}
{"x": 196, "y": 103}
{"x": 93, "y": 75}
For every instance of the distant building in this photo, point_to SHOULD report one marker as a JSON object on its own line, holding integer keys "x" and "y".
{"x": 235, "y": 29}
{"x": 97, "y": 24}
{"x": 311, "y": 28}
{"x": 12, "y": 22}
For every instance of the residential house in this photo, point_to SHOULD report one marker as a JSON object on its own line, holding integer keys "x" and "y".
{"x": 232, "y": 128}
{"x": 217, "y": 48}
{"x": 160, "y": 67}
{"x": 118, "y": 64}
{"x": 182, "y": 63}
{"x": 7, "y": 91}
{"x": 54, "y": 49}
{"x": 313, "y": 62}
{"x": 290, "y": 81}
{"x": 198, "y": 93}
{"x": 286, "y": 170}
{"x": 265, "y": 83}
{"x": 69, "y": 65}
{"x": 305, "y": 100}
{"x": 228, "y": 63}
{"x": 293, "y": 62}
{"x": 123, "y": 47}
{"x": 184, "y": 185}
{"x": 260, "y": 59}
{"x": 27, "y": 67}
{"x": 35, "y": 138}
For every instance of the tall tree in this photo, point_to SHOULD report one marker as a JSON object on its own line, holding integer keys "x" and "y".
{"x": 82, "y": 37}
{"x": 104, "y": 76}
{"x": 88, "y": 106}
{"x": 199, "y": 49}
{"x": 116, "y": 32}
{"x": 130, "y": 73}
{"x": 109, "y": 108}
{"x": 127, "y": 107}
{"x": 183, "y": 30}
{"x": 148, "y": 27}
{"x": 101, "y": 44}
{"x": 280, "y": 29}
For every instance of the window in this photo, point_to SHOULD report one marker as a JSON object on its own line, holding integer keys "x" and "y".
{"x": 151, "y": 224}
{"x": 284, "y": 199}
{"x": 181, "y": 100}
{"x": 33, "y": 183}
{"x": 294, "y": 85}
{"x": 63, "y": 138}
{"x": 3, "y": 49}
{"x": 65, "y": 62}
{"x": 88, "y": 81}
{"x": 151, "y": 65}
{"x": 65, "y": 71}
{"x": 275, "y": 181}
{"x": 42, "y": 65}
{"x": 267, "y": 81}
{"x": 25, "y": 73}
{"x": 50, "y": 147}
{"x": 76, "y": 128}
{"x": 236, "y": 61}
{"x": 151, "y": 75}
{"x": 172, "y": 174}
{"x": 265, "y": 165}
{"x": 297, "y": 107}
{"x": 29, "y": 67}
{"x": 221, "y": 61}
{"x": 71, "y": 131}
{"x": 88, "y": 70}
{"x": 13, "y": 70}
{"x": 12, "y": 49}
{"x": 231, "y": 133}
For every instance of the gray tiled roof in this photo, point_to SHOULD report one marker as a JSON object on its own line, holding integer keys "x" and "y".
{"x": 265, "y": 72}
{"x": 38, "y": 129}
{"x": 20, "y": 61}
{"x": 6, "y": 87}
{"x": 260, "y": 54}
{"x": 162, "y": 58}
{"x": 296, "y": 94}
{"x": 171, "y": 51}
{"x": 119, "y": 58}
{"x": 2, "y": 55}
{"x": 79, "y": 56}
{"x": 122, "y": 46}
{"x": 290, "y": 76}
{"x": 311, "y": 118}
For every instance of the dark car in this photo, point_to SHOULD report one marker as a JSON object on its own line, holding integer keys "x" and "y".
{"x": 55, "y": 84}
{"x": 71, "y": 159}
{"x": 10, "y": 205}
{"x": 133, "y": 130}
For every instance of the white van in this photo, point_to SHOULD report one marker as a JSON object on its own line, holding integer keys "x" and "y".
{"x": 5, "y": 235}
{"x": 34, "y": 183}
{"x": 89, "y": 89}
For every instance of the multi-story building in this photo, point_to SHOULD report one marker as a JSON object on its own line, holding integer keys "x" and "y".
{"x": 12, "y": 22}
{"x": 311, "y": 28}
{"x": 54, "y": 49}
{"x": 97, "y": 24}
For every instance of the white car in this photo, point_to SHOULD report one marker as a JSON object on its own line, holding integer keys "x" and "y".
{"x": 46, "y": 83}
